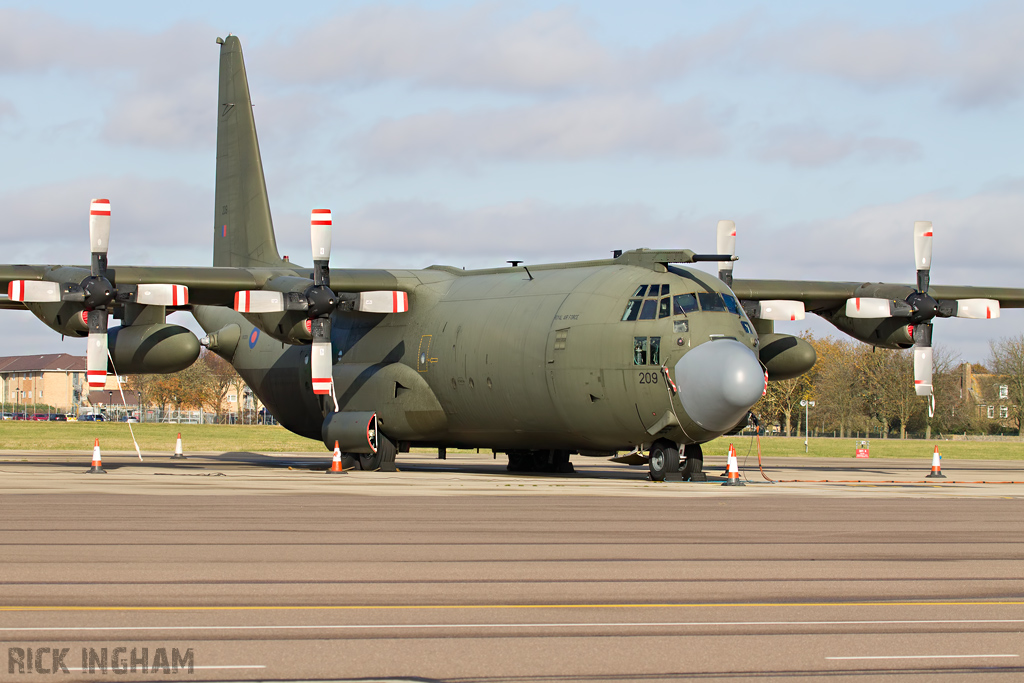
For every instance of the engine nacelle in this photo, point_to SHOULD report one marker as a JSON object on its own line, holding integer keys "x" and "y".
{"x": 354, "y": 432}
{"x": 785, "y": 356}
{"x": 887, "y": 333}
{"x": 152, "y": 349}
{"x": 64, "y": 318}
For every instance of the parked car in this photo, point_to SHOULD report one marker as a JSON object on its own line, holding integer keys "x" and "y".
{"x": 91, "y": 418}
{"x": 58, "y": 417}
{"x": 40, "y": 417}
{"x": 8, "y": 416}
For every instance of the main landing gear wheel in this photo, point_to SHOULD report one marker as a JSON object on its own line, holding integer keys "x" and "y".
{"x": 383, "y": 459}
{"x": 693, "y": 463}
{"x": 664, "y": 459}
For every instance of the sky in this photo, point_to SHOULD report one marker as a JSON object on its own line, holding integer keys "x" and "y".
{"x": 472, "y": 133}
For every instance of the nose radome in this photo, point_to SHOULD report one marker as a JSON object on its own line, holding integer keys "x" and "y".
{"x": 718, "y": 383}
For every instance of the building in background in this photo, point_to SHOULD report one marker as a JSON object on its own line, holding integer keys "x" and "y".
{"x": 990, "y": 395}
{"x": 54, "y": 380}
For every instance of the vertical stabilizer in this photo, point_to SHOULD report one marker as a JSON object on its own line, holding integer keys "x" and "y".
{"x": 243, "y": 230}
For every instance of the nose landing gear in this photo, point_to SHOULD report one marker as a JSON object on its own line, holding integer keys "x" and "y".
{"x": 665, "y": 462}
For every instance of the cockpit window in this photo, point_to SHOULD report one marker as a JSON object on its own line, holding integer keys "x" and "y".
{"x": 664, "y": 308}
{"x": 684, "y": 303}
{"x": 730, "y": 304}
{"x": 632, "y": 309}
{"x": 640, "y": 291}
{"x": 711, "y": 301}
{"x": 650, "y": 307}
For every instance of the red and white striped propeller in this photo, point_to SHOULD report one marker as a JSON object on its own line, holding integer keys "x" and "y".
{"x": 319, "y": 301}
{"x": 920, "y": 309}
{"x": 97, "y": 293}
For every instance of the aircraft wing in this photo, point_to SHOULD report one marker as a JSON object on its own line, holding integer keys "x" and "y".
{"x": 207, "y": 285}
{"x": 821, "y": 296}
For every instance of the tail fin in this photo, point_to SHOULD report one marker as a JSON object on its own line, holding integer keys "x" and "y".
{"x": 243, "y": 229}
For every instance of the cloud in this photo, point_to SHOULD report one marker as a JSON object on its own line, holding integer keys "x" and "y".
{"x": 478, "y": 46}
{"x": 580, "y": 128}
{"x": 153, "y": 222}
{"x": 810, "y": 146}
{"x": 978, "y": 241}
{"x": 420, "y": 233}
{"x": 7, "y": 110}
{"x": 160, "y": 86}
{"x": 973, "y": 58}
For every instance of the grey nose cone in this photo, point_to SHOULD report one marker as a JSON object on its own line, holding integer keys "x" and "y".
{"x": 718, "y": 382}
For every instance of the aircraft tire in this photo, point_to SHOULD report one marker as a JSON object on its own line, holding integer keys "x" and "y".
{"x": 383, "y": 459}
{"x": 693, "y": 464}
{"x": 664, "y": 459}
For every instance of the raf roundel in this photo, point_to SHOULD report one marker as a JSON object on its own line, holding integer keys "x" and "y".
{"x": 254, "y": 337}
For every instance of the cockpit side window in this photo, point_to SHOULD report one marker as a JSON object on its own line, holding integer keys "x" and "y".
{"x": 640, "y": 351}
{"x": 711, "y": 301}
{"x": 684, "y": 303}
{"x": 730, "y": 304}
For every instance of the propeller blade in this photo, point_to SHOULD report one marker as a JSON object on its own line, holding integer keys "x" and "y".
{"x": 99, "y": 235}
{"x": 34, "y": 291}
{"x": 923, "y": 370}
{"x": 320, "y": 239}
{"x": 780, "y": 310}
{"x": 96, "y": 355}
{"x": 726, "y": 245}
{"x": 162, "y": 295}
{"x": 320, "y": 357}
{"x": 383, "y": 302}
{"x": 922, "y": 253}
{"x": 977, "y": 308}
{"x": 868, "y": 308}
{"x": 258, "y": 301}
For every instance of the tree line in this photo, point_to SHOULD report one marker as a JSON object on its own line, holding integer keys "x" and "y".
{"x": 860, "y": 389}
{"x": 204, "y": 385}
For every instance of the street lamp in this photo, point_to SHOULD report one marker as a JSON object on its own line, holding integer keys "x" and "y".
{"x": 807, "y": 409}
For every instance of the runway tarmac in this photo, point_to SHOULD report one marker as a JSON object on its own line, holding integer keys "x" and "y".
{"x": 454, "y": 570}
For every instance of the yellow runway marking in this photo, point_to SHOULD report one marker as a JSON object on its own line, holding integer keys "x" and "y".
{"x": 256, "y": 608}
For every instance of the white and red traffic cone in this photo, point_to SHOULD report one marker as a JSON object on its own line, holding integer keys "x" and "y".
{"x": 734, "y": 470}
{"x": 97, "y": 461}
{"x": 179, "y": 454}
{"x": 731, "y": 454}
{"x": 936, "y": 466}
{"x": 336, "y": 461}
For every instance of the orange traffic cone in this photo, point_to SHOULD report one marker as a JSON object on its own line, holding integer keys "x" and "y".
{"x": 178, "y": 453}
{"x": 97, "y": 464}
{"x": 734, "y": 470}
{"x": 731, "y": 454}
{"x": 936, "y": 466}
{"x": 336, "y": 461}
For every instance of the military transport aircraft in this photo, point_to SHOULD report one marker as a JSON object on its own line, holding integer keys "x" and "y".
{"x": 638, "y": 352}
